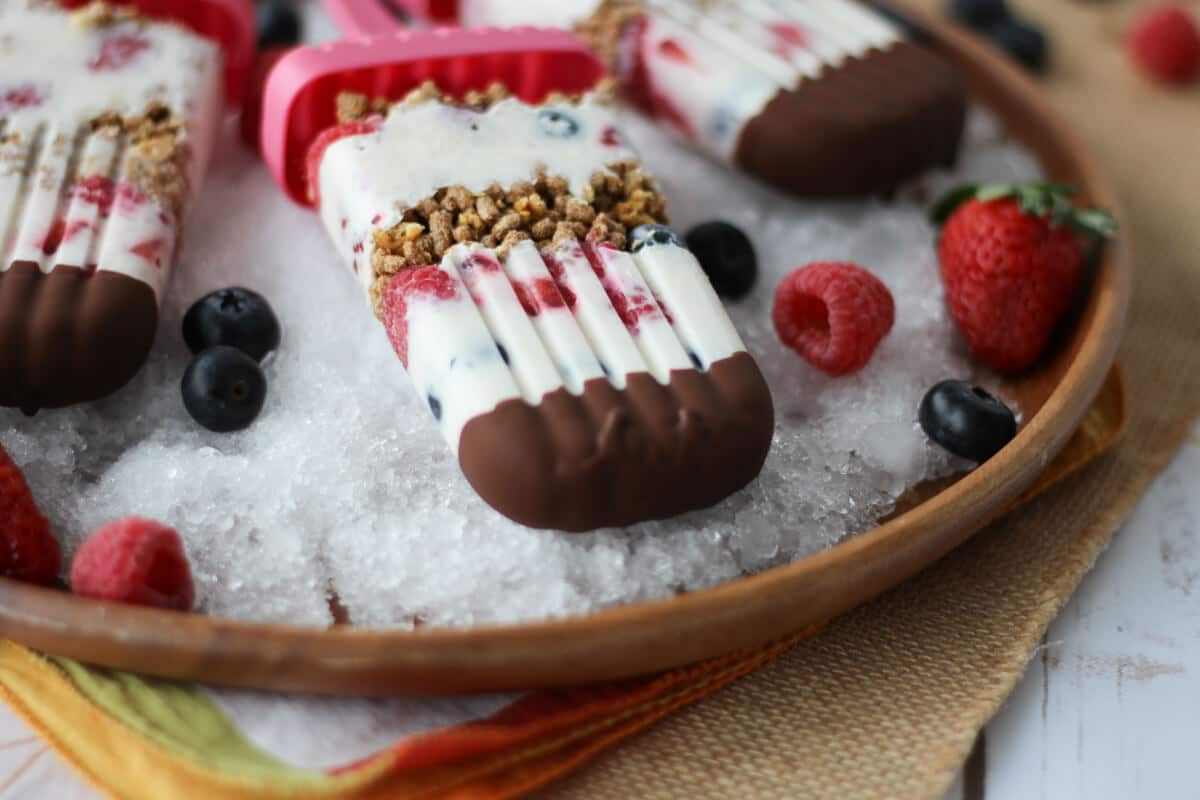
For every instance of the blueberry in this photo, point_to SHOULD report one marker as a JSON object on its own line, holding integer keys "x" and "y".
{"x": 233, "y": 317}
{"x": 651, "y": 235}
{"x": 696, "y": 362}
{"x": 435, "y": 407}
{"x": 966, "y": 420}
{"x": 727, "y": 257}
{"x": 503, "y": 353}
{"x": 1024, "y": 43}
{"x": 278, "y": 24}
{"x": 724, "y": 123}
{"x": 979, "y": 14}
{"x": 224, "y": 389}
{"x": 558, "y": 124}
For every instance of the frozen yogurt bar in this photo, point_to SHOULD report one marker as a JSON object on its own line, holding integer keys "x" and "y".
{"x": 106, "y": 123}
{"x": 821, "y": 98}
{"x": 571, "y": 350}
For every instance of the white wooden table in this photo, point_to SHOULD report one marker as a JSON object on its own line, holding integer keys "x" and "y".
{"x": 1110, "y": 704}
{"x": 1109, "y": 709}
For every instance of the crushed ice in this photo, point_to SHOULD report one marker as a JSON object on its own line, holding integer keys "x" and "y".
{"x": 344, "y": 482}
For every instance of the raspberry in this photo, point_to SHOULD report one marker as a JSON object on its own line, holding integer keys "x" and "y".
{"x": 54, "y": 237}
{"x": 151, "y": 250}
{"x": 62, "y": 231}
{"x": 834, "y": 315}
{"x": 559, "y": 273}
{"x": 674, "y": 51}
{"x": 547, "y": 294}
{"x": 98, "y": 190}
{"x": 633, "y": 306}
{"x": 1165, "y": 42}
{"x": 640, "y": 84}
{"x": 316, "y": 150}
{"x": 18, "y": 97}
{"x": 74, "y": 228}
{"x": 128, "y": 198}
{"x": 431, "y": 281}
{"x": 787, "y": 39}
{"x": 28, "y": 551}
{"x": 118, "y": 52}
{"x": 136, "y": 561}
{"x": 541, "y": 294}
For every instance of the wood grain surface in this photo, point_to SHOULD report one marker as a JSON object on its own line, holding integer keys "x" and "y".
{"x": 652, "y": 636}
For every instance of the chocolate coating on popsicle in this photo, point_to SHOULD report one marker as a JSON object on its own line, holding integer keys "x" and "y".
{"x": 612, "y": 458}
{"x": 70, "y": 336}
{"x": 863, "y": 127}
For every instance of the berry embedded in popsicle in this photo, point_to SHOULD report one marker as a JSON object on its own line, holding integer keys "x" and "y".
{"x": 106, "y": 123}
{"x": 581, "y": 383}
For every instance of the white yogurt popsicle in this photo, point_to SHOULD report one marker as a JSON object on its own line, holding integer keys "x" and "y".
{"x": 76, "y": 190}
{"x": 507, "y": 13}
{"x": 710, "y": 66}
{"x": 484, "y": 326}
{"x": 106, "y": 125}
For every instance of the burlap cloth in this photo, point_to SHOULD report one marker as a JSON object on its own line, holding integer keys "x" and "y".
{"x": 889, "y": 700}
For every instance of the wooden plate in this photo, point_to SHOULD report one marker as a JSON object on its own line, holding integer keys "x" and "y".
{"x": 652, "y": 636}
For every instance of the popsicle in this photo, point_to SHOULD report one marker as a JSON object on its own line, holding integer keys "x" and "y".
{"x": 570, "y": 349}
{"x": 822, "y": 98}
{"x": 107, "y": 120}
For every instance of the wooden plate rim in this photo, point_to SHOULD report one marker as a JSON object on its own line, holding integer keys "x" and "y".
{"x": 632, "y": 639}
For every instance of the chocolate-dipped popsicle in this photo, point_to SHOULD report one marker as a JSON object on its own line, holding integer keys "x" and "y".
{"x": 581, "y": 384}
{"x": 106, "y": 123}
{"x": 821, "y": 98}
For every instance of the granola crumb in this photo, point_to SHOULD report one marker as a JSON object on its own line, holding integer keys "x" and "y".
{"x": 542, "y": 211}
{"x": 100, "y": 14}
{"x": 356, "y": 107}
{"x": 603, "y": 31}
{"x": 161, "y": 153}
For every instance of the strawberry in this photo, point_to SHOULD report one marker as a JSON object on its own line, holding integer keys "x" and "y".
{"x": 1012, "y": 259}
{"x": 28, "y": 551}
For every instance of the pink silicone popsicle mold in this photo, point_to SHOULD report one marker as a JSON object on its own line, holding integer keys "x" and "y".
{"x": 228, "y": 22}
{"x": 301, "y": 92}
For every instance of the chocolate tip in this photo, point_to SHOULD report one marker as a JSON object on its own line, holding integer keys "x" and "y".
{"x": 862, "y": 128}
{"x": 71, "y": 335}
{"x": 610, "y": 458}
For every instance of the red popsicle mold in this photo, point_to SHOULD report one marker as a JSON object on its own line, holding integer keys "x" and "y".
{"x": 300, "y": 98}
